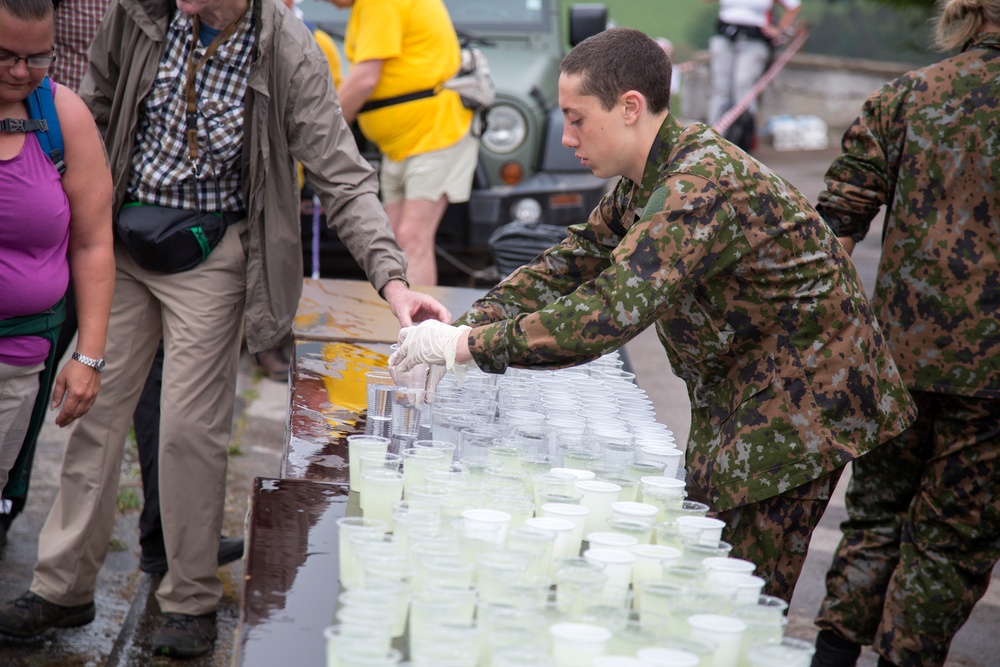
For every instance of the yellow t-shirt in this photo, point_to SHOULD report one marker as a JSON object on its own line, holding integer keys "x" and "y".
{"x": 419, "y": 49}
{"x": 329, "y": 49}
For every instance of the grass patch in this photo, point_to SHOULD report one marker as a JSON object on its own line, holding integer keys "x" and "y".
{"x": 128, "y": 499}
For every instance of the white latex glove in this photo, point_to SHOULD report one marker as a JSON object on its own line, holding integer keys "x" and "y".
{"x": 431, "y": 342}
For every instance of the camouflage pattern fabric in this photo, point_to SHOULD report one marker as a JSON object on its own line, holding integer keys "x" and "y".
{"x": 927, "y": 146}
{"x": 755, "y": 302}
{"x": 774, "y": 533}
{"x": 923, "y": 533}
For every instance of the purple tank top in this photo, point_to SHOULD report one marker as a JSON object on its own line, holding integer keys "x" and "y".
{"x": 34, "y": 235}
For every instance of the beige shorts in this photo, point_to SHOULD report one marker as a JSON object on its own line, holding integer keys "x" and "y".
{"x": 447, "y": 172}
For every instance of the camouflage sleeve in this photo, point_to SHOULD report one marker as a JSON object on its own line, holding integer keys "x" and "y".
{"x": 556, "y": 272}
{"x": 648, "y": 265}
{"x": 862, "y": 178}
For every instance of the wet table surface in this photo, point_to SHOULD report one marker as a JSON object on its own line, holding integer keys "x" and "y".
{"x": 290, "y": 583}
{"x": 343, "y": 329}
{"x": 351, "y": 310}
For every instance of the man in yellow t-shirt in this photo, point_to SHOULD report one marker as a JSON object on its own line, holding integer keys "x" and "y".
{"x": 398, "y": 47}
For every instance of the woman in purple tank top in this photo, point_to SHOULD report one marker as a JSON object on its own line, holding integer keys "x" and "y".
{"x": 51, "y": 227}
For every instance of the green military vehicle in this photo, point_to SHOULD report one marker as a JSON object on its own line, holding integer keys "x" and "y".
{"x": 525, "y": 174}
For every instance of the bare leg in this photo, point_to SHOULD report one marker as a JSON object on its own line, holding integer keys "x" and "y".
{"x": 415, "y": 223}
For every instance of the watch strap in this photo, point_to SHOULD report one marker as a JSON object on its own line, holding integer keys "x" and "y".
{"x": 96, "y": 364}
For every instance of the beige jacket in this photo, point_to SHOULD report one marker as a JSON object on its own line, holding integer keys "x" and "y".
{"x": 292, "y": 113}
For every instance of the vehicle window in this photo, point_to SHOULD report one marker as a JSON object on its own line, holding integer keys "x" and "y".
{"x": 518, "y": 15}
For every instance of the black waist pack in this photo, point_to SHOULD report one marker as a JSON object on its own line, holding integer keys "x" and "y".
{"x": 170, "y": 240}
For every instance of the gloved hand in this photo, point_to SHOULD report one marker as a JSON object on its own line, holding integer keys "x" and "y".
{"x": 431, "y": 342}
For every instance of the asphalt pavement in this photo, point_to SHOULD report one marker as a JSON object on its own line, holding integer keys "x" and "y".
{"x": 126, "y": 610}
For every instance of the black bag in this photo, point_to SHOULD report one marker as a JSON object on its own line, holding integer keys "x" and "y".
{"x": 518, "y": 243}
{"x": 170, "y": 240}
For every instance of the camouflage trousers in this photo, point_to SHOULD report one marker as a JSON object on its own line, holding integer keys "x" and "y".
{"x": 922, "y": 535}
{"x": 774, "y": 533}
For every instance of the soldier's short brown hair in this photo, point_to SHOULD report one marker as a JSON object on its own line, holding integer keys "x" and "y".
{"x": 618, "y": 60}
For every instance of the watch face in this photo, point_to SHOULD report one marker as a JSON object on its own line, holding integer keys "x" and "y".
{"x": 100, "y": 366}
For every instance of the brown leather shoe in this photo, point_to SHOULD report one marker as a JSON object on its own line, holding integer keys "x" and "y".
{"x": 31, "y": 615}
{"x": 273, "y": 363}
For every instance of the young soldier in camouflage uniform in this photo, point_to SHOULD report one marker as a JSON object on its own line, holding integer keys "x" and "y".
{"x": 755, "y": 303}
{"x": 923, "y": 532}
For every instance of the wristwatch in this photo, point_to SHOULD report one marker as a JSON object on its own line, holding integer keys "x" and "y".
{"x": 96, "y": 364}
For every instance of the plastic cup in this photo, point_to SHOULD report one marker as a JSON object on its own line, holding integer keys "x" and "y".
{"x": 657, "y": 596}
{"x": 576, "y": 514}
{"x": 743, "y": 588}
{"x": 362, "y": 444}
{"x": 351, "y": 656}
{"x": 617, "y": 565}
{"x": 579, "y": 473}
{"x": 382, "y": 488}
{"x": 640, "y": 530}
{"x": 789, "y": 652}
{"x": 415, "y": 462}
{"x": 650, "y": 560}
{"x": 765, "y": 621}
{"x": 670, "y": 457}
{"x": 373, "y": 529}
{"x": 578, "y": 644}
{"x": 357, "y": 637}
{"x": 685, "y": 508}
{"x": 729, "y": 565}
{"x": 598, "y": 498}
{"x": 655, "y": 656}
{"x": 372, "y": 460}
{"x": 487, "y": 520}
{"x": 580, "y": 459}
{"x": 725, "y": 631}
{"x": 443, "y": 446}
{"x": 701, "y": 529}
{"x": 497, "y": 570}
{"x": 609, "y": 540}
{"x": 634, "y": 511}
{"x": 562, "y": 530}
{"x": 577, "y": 587}
{"x": 693, "y": 553}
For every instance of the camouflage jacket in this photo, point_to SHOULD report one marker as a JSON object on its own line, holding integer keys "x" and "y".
{"x": 753, "y": 299}
{"x": 927, "y": 146}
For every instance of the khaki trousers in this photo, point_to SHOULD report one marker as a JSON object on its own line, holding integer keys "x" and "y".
{"x": 199, "y": 314}
{"x": 18, "y": 389}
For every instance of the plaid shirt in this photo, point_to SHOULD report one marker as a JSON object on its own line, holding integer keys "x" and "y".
{"x": 162, "y": 171}
{"x": 76, "y": 22}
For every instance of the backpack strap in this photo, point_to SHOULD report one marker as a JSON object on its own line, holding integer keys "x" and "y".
{"x": 42, "y": 107}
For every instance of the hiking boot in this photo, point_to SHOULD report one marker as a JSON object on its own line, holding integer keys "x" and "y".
{"x": 184, "y": 635}
{"x": 230, "y": 549}
{"x": 273, "y": 363}
{"x": 31, "y": 615}
{"x": 833, "y": 650}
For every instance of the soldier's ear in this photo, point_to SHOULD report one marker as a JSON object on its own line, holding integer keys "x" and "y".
{"x": 633, "y": 104}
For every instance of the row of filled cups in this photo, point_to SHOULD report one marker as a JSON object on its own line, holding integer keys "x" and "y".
{"x": 483, "y": 573}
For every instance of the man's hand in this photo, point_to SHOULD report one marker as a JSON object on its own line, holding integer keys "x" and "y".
{"x": 75, "y": 389}
{"x": 411, "y": 307}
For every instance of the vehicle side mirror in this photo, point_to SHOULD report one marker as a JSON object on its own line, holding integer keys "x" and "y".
{"x": 586, "y": 21}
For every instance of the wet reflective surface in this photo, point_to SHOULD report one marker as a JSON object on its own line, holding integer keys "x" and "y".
{"x": 328, "y": 398}
{"x": 352, "y": 310}
{"x": 290, "y": 591}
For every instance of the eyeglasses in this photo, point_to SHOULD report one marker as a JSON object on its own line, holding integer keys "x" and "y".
{"x": 34, "y": 62}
